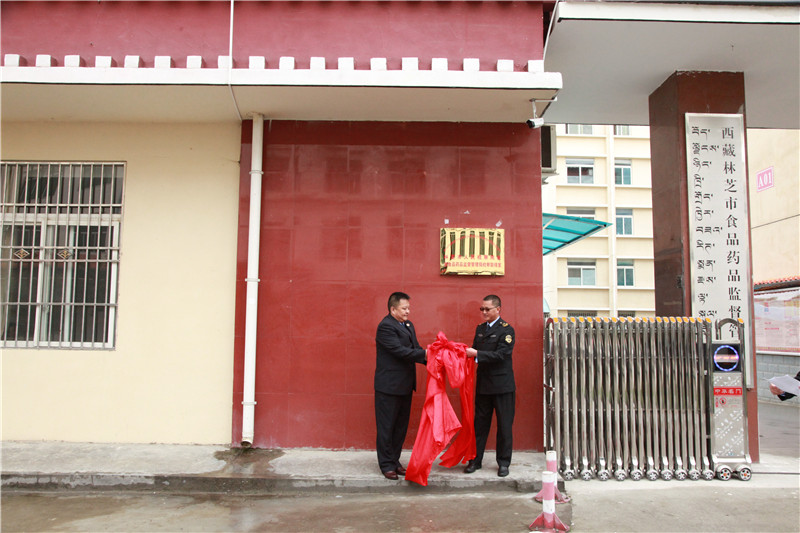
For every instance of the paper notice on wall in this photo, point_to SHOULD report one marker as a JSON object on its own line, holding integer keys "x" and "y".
{"x": 777, "y": 322}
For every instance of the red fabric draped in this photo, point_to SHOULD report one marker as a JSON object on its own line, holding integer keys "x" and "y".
{"x": 439, "y": 423}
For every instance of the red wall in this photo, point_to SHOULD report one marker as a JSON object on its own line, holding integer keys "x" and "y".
{"x": 455, "y": 30}
{"x": 351, "y": 212}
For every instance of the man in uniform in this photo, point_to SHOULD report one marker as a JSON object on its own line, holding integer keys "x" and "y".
{"x": 494, "y": 389}
{"x": 397, "y": 350}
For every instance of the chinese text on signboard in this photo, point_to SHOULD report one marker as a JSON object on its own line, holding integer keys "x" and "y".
{"x": 718, "y": 219}
{"x": 476, "y": 251}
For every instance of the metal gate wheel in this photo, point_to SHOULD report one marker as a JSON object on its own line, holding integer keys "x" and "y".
{"x": 724, "y": 473}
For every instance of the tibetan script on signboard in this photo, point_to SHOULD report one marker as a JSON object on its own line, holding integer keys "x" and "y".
{"x": 718, "y": 219}
{"x": 472, "y": 251}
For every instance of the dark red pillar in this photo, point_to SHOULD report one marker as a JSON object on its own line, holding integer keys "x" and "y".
{"x": 681, "y": 93}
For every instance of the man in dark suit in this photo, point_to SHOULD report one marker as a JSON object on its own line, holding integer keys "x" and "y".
{"x": 495, "y": 389}
{"x": 397, "y": 350}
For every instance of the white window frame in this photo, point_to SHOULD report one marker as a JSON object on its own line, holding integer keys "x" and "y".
{"x": 625, "y": 267}
{"x": 622, "y": 130}
{"x": 622, "y": 172}
{"x": 58, "y": 268}
{"x": 624, "y": 221}
{"x": 586, "y": 271}
{"x": 585, "y": 169}
{"x": 582, "y": 212}
{"x": 580, "y": 129}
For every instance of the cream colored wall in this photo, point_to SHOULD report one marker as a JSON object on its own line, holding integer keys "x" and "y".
{"x": 582, "y": 298}
{"x": 775, "y": 212}
{"x": 169, "y": 379}
{"x": 605, "y": 246}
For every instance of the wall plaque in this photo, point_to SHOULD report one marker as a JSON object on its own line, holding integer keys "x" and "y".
{"x": 472, "y": 251}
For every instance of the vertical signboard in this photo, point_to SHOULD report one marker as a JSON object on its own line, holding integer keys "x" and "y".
{"x": 719, "y": 222}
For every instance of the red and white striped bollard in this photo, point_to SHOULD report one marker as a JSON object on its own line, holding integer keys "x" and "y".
{"x": 552, "y": 459}
{"x": 548, "y": 521}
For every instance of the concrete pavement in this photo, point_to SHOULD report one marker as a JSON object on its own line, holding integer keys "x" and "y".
{"x": 187, "y": 468}
{"x": 345, "y": 487}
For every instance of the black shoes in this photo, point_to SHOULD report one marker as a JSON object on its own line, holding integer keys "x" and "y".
{"x": 502, "y": 471}
{"x": 472, "y": 466}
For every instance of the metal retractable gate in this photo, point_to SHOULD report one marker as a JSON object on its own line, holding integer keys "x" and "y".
{"x": 639, "y": 397}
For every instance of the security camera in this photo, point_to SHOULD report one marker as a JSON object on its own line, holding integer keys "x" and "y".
{"x": 535, "y": 122}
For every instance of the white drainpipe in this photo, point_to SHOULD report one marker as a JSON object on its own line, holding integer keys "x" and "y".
{"x": 251, "y": 306}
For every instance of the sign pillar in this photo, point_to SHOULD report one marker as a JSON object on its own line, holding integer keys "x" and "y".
{"x": 685, "y": 97}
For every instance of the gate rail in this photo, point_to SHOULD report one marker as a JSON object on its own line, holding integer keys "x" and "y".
{"x": 629, "y": 397}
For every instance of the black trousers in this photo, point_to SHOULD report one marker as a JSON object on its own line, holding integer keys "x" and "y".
{"x": 503, "y": 407}
{"x": 391, "y": 418}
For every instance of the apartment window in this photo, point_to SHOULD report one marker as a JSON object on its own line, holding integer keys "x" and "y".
{"x": 581, "y": 212}
{"x": 622, "y": 172}
{"x": 578, "y": 314}
{"x": 579, "y": 129}
{"x": 626, "y": 314}
{"x": 620, "y": 130}
{"x": 624, "y": 222}
{"x": 580, "y": 171}
{"x": 581, "y": 273}
{"x": 625, "y": 272}
{"x": 60, "y": 253}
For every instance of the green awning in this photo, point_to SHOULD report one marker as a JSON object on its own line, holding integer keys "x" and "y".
{"x": 559, "y": 231}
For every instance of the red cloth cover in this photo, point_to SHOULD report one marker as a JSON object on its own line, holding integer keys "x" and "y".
{"x": 439, "y": 423}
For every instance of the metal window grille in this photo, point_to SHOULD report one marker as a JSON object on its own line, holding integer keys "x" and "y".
{"x": 59, "y": 259}
{"x": 577, "y": 314}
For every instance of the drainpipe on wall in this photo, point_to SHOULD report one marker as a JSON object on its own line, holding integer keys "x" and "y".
{"x": 251, "y": 306}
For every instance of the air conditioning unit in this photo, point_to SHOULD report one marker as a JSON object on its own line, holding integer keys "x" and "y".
{"x": 548, "y": 133}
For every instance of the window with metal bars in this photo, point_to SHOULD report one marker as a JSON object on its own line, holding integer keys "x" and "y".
{"x": 578, "y": 314}
{"x": 59, "y": 258}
